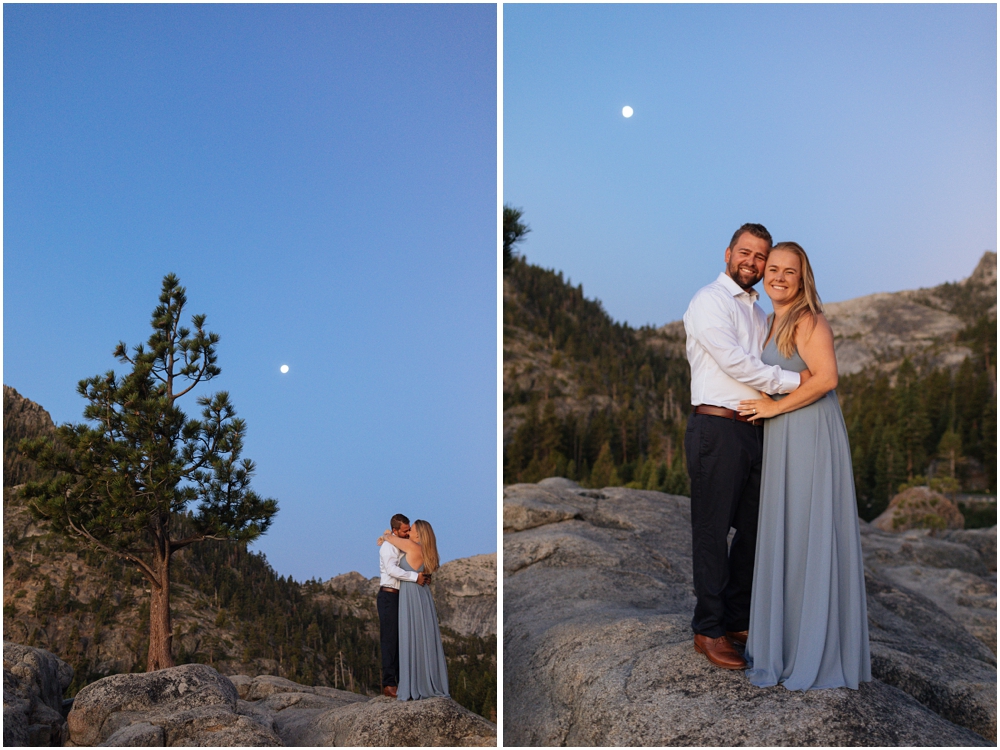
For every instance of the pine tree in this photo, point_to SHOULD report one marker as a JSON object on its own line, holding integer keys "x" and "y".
{"x": 126, "y": 479}
{"x": 604, "y": 473}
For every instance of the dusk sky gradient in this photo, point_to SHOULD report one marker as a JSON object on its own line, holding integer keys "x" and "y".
{"x": 867, "y": 133}
{"x": 322, "y": 178}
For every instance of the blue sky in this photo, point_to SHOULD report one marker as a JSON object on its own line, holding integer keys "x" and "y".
{"x": 867, "y": 133}
{"x": 322, "y": 178}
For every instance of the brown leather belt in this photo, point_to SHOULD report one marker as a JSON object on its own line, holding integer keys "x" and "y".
{"x": 718, "y": 411}
{"x": 390, "y": 589}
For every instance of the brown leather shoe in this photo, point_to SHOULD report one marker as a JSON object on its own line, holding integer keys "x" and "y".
{"x": 719, "y": 651}
{"x": 389, "y": 690}
{"x": 739, "y": 637}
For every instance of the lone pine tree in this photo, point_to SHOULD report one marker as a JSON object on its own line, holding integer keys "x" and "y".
{"x": 126, "y": 478}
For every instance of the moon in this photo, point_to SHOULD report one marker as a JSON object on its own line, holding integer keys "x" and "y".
{"x": 284, "y": 368}
{"x": 626, "y": 111}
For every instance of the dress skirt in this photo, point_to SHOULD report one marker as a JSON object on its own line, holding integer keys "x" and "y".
{"x": 808, "y": 614}
{"x": 423, "y": 671}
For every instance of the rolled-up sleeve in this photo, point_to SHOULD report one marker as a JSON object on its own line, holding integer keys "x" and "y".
{"x": 713, "y": 328}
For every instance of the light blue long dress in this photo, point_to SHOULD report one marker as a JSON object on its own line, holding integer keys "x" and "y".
{"x": 808, "y": 616}
{"x": 423, "y": 671}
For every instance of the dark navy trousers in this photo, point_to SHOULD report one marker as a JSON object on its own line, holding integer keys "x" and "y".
{"x": 724, "y": 459}
{"x": 388, "y": 625}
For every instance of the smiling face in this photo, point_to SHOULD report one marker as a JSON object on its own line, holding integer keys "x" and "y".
{"x": 783, "y": 276}
{"x": 746, "y": 258}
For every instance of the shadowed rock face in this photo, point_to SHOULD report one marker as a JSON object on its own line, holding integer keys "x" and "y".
{"x": 598, "y": 601}
{"x": 34, "y": 681}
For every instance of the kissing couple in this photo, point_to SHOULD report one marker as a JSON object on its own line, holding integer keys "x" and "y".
{"x": 413, "y": 663}
{"x": 768, "y": 455}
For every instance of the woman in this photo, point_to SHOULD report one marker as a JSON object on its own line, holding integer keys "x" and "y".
{"x": 423, "y": 672}
{"x": 808, "y": 617}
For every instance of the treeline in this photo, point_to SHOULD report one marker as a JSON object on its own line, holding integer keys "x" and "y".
{"x": 929, "y": 422}
{"x": 918, "y": 422}
{"x": 636, "y": 436}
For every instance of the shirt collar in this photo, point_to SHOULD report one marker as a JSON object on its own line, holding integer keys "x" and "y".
{"x": 735, "y": 289}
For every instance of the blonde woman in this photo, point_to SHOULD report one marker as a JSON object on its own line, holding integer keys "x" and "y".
{"x": 808, "y": 617}
{"x": 423, "y": 671}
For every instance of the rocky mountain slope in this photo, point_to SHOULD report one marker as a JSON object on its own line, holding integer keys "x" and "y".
{"x": 597, "y": 640}
{"x": 881, "y": 329}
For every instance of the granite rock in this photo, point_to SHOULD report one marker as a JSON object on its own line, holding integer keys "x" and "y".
{"x": 597, "y": 642}
{"x": 386, "y": 722}
{"x": 192, "y": 705}
{"x": 34, "y": 681}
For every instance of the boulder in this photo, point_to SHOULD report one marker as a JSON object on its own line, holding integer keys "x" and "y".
{"x": 189, "y": 705}
{"x": 465, "y": 595}
{"x": 386, "y": 722}
{"x": 597, "y": 641}
{"x": 920, "y": 508}
{"x": 34, "y": 681}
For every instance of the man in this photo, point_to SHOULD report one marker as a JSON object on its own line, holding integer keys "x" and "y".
{"x": 726, "y": 331}
{"x": 390, "y": 574}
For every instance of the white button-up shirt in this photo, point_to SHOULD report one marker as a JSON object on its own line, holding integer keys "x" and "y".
{"x": 726, "y": 330}
{"x": 390, "y": 574}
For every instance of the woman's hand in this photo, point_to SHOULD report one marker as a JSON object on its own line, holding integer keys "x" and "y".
{"x": 759, "y": 408}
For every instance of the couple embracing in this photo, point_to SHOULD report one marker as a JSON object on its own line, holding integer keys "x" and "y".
{"x": 413, "y": 663}
{"x": 768, "y": 456}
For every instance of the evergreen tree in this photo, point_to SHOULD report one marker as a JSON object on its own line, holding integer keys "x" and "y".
{"x": 513, "y": 232}
{"x": 604, "y": 473}
{"x": 126, "y": 479}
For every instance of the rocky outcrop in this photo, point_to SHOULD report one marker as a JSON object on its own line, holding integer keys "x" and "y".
{"x": 956, "y": 571}
{"x": 920, "y": 508}
{"x": 193, "y": 705}
{"x": 386, "y": 722}
{"x": 597, "y": 640}
{"x": 188, "y": 705}
{"x": 465, "y": 595}
{"x": 34, "y": 681}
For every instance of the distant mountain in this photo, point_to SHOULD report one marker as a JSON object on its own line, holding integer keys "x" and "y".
{"x": 880, "y": 330}
{"x": 231, "y": 610}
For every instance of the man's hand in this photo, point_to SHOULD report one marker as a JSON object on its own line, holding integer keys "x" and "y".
{"x": 423, "y": 578}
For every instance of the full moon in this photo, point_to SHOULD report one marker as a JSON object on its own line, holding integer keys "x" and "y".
{"x": 284, "y": 368}
{"x": 626, "y": 111}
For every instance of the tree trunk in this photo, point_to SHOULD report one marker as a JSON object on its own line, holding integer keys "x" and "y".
{"x": 160, "y": 629}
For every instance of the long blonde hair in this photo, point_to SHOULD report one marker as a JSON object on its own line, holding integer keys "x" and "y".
{"x": 806, "y": 303}
{"x": 428, "y": 545}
